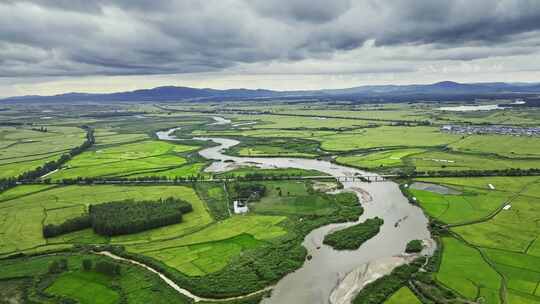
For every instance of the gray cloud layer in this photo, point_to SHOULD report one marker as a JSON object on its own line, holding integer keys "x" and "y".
{"x": 137, "y": 37}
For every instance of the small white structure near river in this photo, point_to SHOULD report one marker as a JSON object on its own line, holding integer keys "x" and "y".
{"x": 240, "y": 207}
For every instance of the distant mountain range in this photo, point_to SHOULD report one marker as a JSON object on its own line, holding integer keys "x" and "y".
{"x": 445, "y": 89}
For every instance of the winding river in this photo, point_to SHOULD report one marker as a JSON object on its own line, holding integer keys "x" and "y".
{"x": 333, "y": 276}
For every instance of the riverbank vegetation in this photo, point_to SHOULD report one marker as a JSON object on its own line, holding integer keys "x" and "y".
{"x": 28, "y": 280}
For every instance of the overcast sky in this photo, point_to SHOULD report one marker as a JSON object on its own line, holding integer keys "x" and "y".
{"x": 54, "y": 46}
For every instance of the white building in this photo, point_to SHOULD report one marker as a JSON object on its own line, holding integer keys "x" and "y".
{"x": 240, "y": 207}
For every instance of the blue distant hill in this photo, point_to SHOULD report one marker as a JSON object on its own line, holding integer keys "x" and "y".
{"x": 178, "y": 94}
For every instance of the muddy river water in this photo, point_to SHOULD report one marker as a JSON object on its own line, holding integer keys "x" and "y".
{"x": 333, "y": 276}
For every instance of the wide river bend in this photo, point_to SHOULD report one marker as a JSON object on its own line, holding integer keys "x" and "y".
{"x": 333, "y": 276}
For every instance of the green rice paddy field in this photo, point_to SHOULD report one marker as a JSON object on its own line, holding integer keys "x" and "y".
{"x": 129, "y": 155}
{"x": 493, "y": 254}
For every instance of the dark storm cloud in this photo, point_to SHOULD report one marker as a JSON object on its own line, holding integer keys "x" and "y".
{"x": 126, "y": 37}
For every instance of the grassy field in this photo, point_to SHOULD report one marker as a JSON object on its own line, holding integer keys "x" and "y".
{"x": 514, "y": 229}
{"x": 463, "y": 270}
{"x": 23, "y": 149}
{"x": 378, "y": 160}
{"x": 23, "y": 214}
{"x": 508, "y": 146}
{"x": 292, "y": 122}
{"x": 387, "y": 136}
{"x": 292, "y": 197}
{"x": 502, "y": 246}
{"x": 85, "y": 287}
{"x": 472, "y": 203}
{"x": 382, "y": 114}
{"x": 403, "y": 296}
{"x": 132, "y": 159}
{"x": 455, "y": 161}
{"x": 212, "y": 248}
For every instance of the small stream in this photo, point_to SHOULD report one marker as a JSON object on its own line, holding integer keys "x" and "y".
{"x": 315, "y": 281}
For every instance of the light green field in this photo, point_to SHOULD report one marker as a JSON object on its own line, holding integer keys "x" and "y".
{"x": 472, "y": 204}
{"x": 508, "y": 116}
{"x": 509, "y": 241}
{"x": 21, "y": 218}
{"x": 514, "y": 229}
{"x": 387, "y": 136}
{"x": 463, "y": 270}
{"x": 134, "y": 159}
{"x": 385, "y": 114}
{"x": 444, "y": 161}
{"x": 509, "y": 146}
{"x": 212, "y": 248}
{"x": 85, "y": 287}
{"x": 403, "y": 296}
{"x": 381, "y": 159}
{"x": 204, "y": 258}
{"x": 105, "y": 137}
{"x": 293, "y": 122}
{"x": 22, "y": 149}
{"x": 522, "y": 273}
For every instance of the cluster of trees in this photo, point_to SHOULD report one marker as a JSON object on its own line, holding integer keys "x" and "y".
{"x": 108, "y": 268}
{"x": 124, "y": 217}
{"x": 53, "y": 165}
{"x": 414, "y": 246}
{"x": 70, "y": 225}
{"x": 381, "y": 289}
{"x": 6, "y": 183}
{"x": 58, "y": 266}
{"x": 123, "y": 180}
{"x": 248, "y": 190}
{"x": 105, "y": 267}
{"x": 40, "y": 129}
{"x": 128, "y": 216}
{"x": 353, "y": 237}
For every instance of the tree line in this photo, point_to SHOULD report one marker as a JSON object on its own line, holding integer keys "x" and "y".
{"x": 124, "y": 217}
{"x": 475, "y": 173}
{"x": 70, "y": 225}
{"x": 165, "y": 179}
